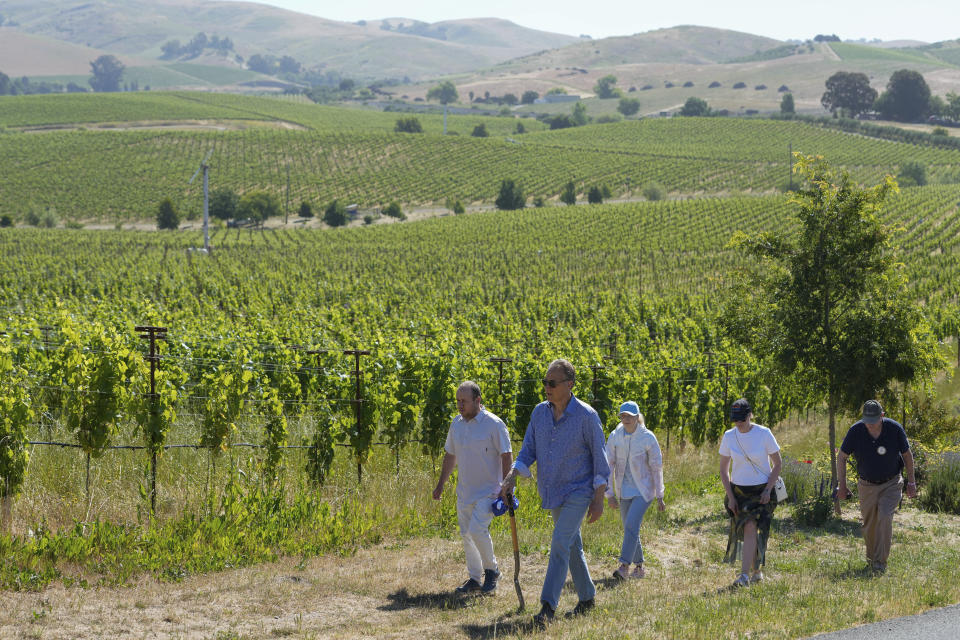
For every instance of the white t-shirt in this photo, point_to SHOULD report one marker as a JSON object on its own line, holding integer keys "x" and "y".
{"x": 478, "y": 445}
{"x": 757, "y": 445}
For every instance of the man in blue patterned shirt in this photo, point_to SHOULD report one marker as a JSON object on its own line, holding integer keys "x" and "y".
{"x": 566, "y": 441}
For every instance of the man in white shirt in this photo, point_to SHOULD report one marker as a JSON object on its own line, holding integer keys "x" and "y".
{"x": 479, "y": 446}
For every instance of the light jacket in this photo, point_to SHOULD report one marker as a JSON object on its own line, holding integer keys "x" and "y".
{"x": 645, "y": 460}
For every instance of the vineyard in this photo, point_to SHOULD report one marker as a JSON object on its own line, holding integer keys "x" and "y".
{"x": 262, "y": 333}
{"x": 355, "y": 156}
{"x": 172, "y": 412}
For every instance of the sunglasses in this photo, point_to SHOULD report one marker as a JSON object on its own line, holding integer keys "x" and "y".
{"x": 547, "y": 382}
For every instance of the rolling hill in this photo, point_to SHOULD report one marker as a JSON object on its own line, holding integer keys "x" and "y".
{"x": 391, "y": 48}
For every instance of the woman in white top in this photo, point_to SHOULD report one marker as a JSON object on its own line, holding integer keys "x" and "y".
{"x": 746, "y": 453}
{"x": 636, "y": 478}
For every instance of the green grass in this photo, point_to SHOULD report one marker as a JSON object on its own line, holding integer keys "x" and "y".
{"x": 850, "y": 52}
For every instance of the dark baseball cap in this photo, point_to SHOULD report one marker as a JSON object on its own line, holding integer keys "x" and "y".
{"x": 740, "y": 410}
{"x": 872, "y": 411}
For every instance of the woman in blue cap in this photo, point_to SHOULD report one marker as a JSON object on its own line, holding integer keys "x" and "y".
{"x": 636, "y": 478}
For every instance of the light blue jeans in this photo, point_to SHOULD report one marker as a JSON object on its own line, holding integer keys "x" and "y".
{"x": 566, "y": 552}
{"x": 631, "y": 514}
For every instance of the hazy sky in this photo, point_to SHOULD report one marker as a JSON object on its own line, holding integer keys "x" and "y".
{"x": 928, "y": 20}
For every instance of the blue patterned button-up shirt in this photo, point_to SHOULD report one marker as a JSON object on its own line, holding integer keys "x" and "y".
{"x": 569, "y": 452}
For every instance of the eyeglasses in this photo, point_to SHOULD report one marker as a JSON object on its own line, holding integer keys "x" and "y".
{"x": 547, "y": 382}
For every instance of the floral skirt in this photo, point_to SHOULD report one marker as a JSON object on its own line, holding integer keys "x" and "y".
{"x": 748, "y": 499}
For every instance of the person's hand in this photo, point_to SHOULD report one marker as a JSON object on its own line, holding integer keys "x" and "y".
{"x": 732, "y": 504}
{"x": 506, "y": 487}
{"x": 438, "y": 491}
{"x": 765, "y": 496}
{"x": 842, "y": 492}
{"x": 660, "y": 504}
{"x": 595, "y": 510}
{"x": 911, "y": 489}
{"x": 612, "y": 501}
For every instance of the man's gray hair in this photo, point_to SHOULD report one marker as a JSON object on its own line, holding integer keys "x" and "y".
{"x": 569, "y": 373}
{"x": 472, "y": 386}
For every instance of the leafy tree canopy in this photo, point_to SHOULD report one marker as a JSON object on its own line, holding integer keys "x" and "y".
{"x": 849, "y": 93}
{"x": 907, "y": 98}
{"x": 444, "y": 93}
{"x": 107, "y": 71}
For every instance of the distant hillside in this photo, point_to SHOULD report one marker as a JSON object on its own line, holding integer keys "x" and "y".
{"x": 677, "y": 45}
{"x": 378, "y": 49}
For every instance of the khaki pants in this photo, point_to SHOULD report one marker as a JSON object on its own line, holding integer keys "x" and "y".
{"x": 878, "y": 503}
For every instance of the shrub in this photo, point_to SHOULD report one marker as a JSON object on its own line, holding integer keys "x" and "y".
{"x": 688, "y": 84}
{"x": 520, "y": 128}
{"x": 368, "y": 219}
{"x": 6, "y": 221}
{"x": 393, "y": 210}
{"x": 458, "y": 208}
{"x": 224, "y": 203}
{"x": 912, "y": 174}
{"x": 942, "y": 492}
{"x": 335, "y": 214}
{"x": 815, "y": 511}
{"x": 740, "y": 85}
{"x": 628, "y": 106}
{"x": 409, "y": 124}
{"x": 480, "y": 131}
{"x": 510, "y": 197}
{"x": 258, "y": 206}
{"x": 306, "y": 210}
{"x": 167, "y": 216}
{"x": 609, "y": 118}
{"x": 569, "y": 194}
{"x": 939, "y": 131}
{"x": 714, "y": 85}
{"x": 595, "y": 195}
{"x": 539, "y": 202}
{"x": 653, "y": 191}
{"x": 760, "y": 87}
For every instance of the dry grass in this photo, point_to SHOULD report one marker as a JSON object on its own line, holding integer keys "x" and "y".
{"x": 401, "y": 587}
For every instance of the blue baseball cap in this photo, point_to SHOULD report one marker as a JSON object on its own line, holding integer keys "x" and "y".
{"x": 740, "y": 410}
{"x": 629, "y": 407}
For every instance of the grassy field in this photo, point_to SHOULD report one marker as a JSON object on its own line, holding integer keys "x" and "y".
{"x": 398, "y": 583}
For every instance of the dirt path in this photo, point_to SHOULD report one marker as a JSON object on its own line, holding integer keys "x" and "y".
{"x": 398, "y": 591}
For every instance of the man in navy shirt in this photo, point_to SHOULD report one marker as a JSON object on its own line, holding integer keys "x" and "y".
{"x": 881, "y": 450}
{"x": 565, "y": 440}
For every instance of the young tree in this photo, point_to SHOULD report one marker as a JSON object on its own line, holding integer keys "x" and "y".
{"x": 786, "y": 104}
{"x": 224, "y": 203}
{"x": 107, "y": 71}
{"x": 605, "y": 87}
{"x": 907, "y": 98}
{"x": 258, "y": 206}
{"x": 569, "y": 194}
{"x": 579, "y": 116}
{"x": 336, "y": 214}
{"x": 831, "y": 306}
{"x": 394, "y": 211}
{"x": 849, "y": 93}
{"x": 628, "y": 106}
{"x": 306, "y": 210}
{"x": 480, "y": 131}
{"x": 695, "y": 107}
{"x": 510, "y": 197}
{"x": 529, "y": 97}
{"x": 444, "y": 93}
{"x": 408, "y": 124}
{"x": 595, "y": 195}
{"x": 167, "y": 216}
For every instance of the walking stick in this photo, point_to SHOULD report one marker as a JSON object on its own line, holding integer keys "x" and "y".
{"x": 516, "y": 552}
